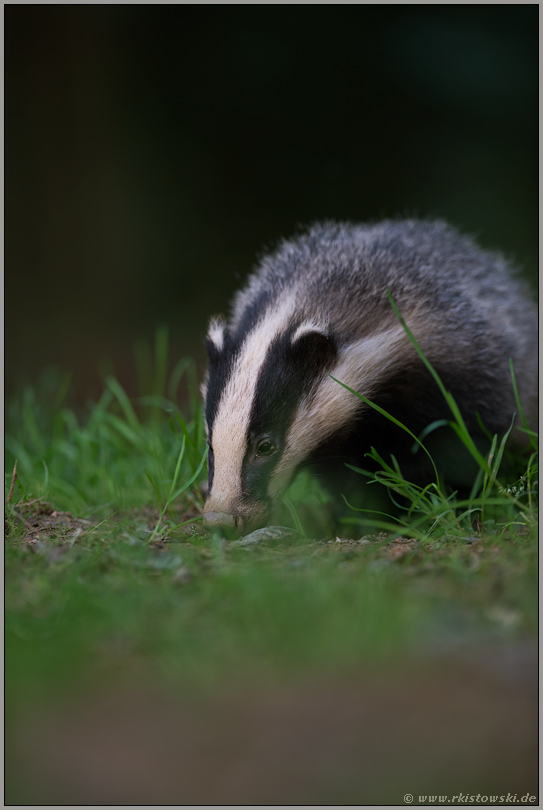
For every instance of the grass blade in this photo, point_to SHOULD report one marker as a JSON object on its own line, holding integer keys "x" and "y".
{"x": 460, "y": 426}
{"x": 388, "y": 416}
{"x": 192, "y": 478}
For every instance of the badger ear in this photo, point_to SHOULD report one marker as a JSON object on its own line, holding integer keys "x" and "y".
{"x": 314, "y": 344}
{"x": 215, "y": 339}
{"x": 215, "y": 336}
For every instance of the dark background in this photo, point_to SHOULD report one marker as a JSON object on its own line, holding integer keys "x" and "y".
{"x": 152, "y": 151}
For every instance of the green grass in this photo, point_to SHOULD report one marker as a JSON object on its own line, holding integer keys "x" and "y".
{"x": 140, "y": 592}
{"x": 113, "y": 457}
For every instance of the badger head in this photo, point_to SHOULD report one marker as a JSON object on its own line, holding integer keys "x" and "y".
{"x": 253, "y": 391}
{"x": 271, "y": 402}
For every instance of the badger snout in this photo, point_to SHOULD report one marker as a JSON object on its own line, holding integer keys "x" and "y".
{"x": 223, "y": 520}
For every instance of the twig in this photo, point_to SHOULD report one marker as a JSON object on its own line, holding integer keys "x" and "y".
{"x": 13, "y": 479}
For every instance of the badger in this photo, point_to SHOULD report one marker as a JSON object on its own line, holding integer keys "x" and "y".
{"x": 316, "y": 311}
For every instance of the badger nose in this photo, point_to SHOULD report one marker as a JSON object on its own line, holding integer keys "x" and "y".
{"x": 223, "y": 520}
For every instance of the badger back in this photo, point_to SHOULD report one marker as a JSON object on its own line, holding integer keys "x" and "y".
{"x": 318, "y": 307}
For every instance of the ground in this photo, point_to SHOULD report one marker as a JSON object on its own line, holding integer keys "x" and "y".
{"x": 189, "y": 669}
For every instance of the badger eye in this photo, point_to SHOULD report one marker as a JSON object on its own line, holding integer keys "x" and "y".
{"x": 265, "y": 448}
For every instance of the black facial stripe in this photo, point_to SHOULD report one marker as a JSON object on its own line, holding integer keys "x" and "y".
{"x": 288, "y": 372}
{"x": 220, "y": 365}
{"x": 210, "y": 469}
{"x": 255, "y": 478}
{"x": 279, "y": 386}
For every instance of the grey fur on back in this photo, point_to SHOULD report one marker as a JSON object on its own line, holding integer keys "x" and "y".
{"x": 476, "y": 312}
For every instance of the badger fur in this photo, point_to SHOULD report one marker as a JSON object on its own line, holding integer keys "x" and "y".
{"x": 318, "y": 307}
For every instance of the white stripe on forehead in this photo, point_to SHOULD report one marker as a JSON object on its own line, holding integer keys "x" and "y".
{"x": 229, "y": 430}
{"x": 361, "y": 366}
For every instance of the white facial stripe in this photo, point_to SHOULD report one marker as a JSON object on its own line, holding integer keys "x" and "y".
{"x": 361, "y": 366}
{"x": 308, "y": 327}
{"x": 234, "y": 411}
{"x": 216, "y": 332}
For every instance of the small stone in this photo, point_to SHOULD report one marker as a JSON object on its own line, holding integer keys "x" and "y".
{"x": 267, "y": 533}
{"x": 182, "y": 576}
